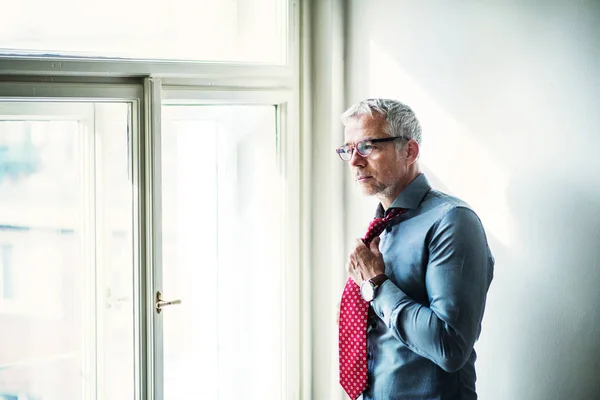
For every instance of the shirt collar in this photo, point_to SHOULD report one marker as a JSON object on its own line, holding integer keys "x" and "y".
{"x": 410, "y": 197}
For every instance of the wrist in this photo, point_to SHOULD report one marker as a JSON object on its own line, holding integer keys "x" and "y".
{"x": 368, "y": 288}
{"x": 378, "y": 279}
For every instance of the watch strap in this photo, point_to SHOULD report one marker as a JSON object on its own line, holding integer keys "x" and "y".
{"x": 378, "y": 280}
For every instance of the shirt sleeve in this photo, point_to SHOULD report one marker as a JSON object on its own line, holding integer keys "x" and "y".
{"x": 457, "y": 278}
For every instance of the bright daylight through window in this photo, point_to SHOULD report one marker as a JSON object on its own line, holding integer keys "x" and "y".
{"x": 221, "y": 226}
{"x": 149, "y": 200}
{"x": 66, "y": 315}
{"x": 196, "y": 30}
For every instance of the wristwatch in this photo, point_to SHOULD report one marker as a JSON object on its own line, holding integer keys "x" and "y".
{"x": 368, "y": 287}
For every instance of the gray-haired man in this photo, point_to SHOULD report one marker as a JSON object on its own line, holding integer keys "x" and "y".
{"x": 426, "y": 279}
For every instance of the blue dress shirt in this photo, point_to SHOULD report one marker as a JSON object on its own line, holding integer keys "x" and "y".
{"x": 425, "y": 319}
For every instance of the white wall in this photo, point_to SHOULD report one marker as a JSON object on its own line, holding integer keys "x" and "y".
{"x": 509, "y": 96}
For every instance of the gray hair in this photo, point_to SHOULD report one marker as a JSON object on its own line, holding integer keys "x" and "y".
{"x": 400, "y": 119}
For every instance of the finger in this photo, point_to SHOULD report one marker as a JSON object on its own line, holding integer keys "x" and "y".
{"x": 359, "y": 253}
{"x": 374, "y": 247}
{"x": 354, "y": 271}
{"x": 364, "y": 254}
{"x": 350, "y": 265}
{"x": 359, "y": 244}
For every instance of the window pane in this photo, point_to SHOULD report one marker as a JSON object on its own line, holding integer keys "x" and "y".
{"x": 198, "y": 30}
{"x": 65, "y": 244}
{"x": 40, "y": 197}
{"x": 6, "y": 272}
{"x": 222, "y": 253}
{"x": 114, "y": 254}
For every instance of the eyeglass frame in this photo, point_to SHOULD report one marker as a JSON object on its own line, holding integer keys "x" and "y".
{"x": 355, "y": 146}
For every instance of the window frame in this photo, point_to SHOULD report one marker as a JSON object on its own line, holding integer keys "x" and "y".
{"x": 147, "y": 85}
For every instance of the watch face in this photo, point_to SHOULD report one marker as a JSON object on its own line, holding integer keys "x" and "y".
{"x": 367, "y": 291}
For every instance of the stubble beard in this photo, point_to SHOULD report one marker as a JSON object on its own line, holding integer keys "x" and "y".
{"x": 379, "y": 189}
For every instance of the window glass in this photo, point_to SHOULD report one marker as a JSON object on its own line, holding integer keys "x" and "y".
{"x": 195, "y": 30}
{"x": 222, "y": 253}
{"x": 66, "y": 243}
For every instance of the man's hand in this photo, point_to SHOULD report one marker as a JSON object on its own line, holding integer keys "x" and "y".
{"x": 365, "y": 262}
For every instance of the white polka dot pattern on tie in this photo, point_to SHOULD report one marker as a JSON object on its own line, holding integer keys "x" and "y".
{"x": 352, "y": 340}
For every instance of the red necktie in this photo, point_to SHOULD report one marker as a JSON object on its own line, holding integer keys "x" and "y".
{"x": 353, "y": 323}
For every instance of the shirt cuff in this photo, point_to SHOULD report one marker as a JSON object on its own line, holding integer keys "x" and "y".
{"x": 388, "y": 297}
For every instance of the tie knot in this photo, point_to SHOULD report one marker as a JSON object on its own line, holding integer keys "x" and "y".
{"x": 379, "y": 224}
{"x": 394, "y": 212}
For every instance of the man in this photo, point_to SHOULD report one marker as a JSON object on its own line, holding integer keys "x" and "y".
{"x": 425, "y": 280}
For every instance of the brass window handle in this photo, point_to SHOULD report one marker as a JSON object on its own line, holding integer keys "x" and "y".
{"x": 160, "y": 303}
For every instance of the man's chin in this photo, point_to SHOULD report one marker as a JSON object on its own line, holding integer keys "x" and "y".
{"x": 369, "y": 190}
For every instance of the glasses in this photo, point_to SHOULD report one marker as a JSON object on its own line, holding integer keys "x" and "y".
{"x": 364, "y": 147}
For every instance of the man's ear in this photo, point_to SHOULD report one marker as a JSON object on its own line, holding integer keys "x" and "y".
{"x": 412, "y": 152}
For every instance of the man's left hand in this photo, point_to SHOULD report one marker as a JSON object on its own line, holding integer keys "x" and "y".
{"x": 365, "y": 262}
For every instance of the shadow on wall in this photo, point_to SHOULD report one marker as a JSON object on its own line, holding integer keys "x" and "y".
{"x": 549, "y": 319}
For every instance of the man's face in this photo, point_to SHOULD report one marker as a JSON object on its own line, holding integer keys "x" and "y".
{"x": 382, "y": 172}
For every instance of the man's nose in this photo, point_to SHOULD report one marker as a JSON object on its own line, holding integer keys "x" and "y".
{"x": 356, "y": 160}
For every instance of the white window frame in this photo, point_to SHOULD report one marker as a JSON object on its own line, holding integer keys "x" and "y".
{"x": 146, "y": 85}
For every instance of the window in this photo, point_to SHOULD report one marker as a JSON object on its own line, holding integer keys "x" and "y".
{"x": 199, "y": 30}
{"x": 7, "y": 288}
{"x": 222, "y": 252}
{"x": 66, "y": 266}
{"x": 133, "y": 192}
